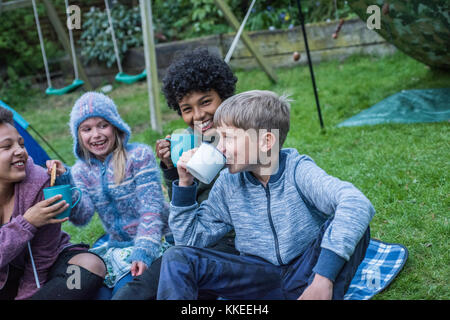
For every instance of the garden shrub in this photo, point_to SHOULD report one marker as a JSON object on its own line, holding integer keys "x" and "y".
{"x": 96, "y": 40}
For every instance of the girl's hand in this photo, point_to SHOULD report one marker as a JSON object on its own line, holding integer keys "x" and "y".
{"x": 163, "y": 151}
{"x": 43, "y": 213}
{"x": 137, "y": 268}
{"x": 185, "y": 177}
{"x": 59, "y": 167}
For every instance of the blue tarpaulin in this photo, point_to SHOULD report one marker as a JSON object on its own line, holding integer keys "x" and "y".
{"x": 407, "y": 106}
{"x": 33, "y": 148}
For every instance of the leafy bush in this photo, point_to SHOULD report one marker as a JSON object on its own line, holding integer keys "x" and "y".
{"x": 19, "y": 42}
{"x": 15, "y": 91}
{"x": 183, "y": 19}
{"x": 96, "y": 40}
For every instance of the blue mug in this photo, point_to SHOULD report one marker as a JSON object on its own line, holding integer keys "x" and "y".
{"x": 66, "y": 191}
{"x": 181, "y": 142}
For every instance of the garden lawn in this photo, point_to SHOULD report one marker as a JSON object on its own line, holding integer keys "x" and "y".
{"x": 402, "y": 168}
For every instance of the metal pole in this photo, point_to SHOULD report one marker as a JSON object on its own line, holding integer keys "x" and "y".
{"x": 41, "y": 41}
{"x": 311, "y": 71}
{"x": 150, "y": 65}
{"x": 238, "y": 34}
{"x": 72, "y": 45}
{"x": 113, "y": 34}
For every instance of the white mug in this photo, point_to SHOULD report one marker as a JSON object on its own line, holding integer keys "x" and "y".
{"x": 206, "y": 163}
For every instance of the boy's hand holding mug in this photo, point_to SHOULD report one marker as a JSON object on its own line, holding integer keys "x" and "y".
{"x": 163, "y": 151}
{"x": 185, "y": 178}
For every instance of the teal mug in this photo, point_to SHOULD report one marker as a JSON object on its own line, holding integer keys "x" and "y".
{"x": 181, "y": 142}
{"x": 66, "y": 191}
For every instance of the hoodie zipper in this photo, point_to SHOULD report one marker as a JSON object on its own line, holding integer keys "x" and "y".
{"x": 275, "y": 237}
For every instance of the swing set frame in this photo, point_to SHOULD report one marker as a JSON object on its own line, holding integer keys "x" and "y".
{"x": 60, "y": 32}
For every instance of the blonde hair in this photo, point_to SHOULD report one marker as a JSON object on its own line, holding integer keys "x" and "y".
{"x": 119, "y": 155}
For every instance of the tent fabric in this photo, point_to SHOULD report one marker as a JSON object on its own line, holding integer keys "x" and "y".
{"x": 407, "y": 106}
{"x": 33, "y": 148}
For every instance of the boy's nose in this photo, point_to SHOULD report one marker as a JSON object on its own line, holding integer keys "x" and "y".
{"x": 199, "y": 114}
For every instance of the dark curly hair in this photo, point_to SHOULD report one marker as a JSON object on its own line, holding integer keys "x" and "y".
{"x": 6, "y": 116}
{"x": 198, "y": 70}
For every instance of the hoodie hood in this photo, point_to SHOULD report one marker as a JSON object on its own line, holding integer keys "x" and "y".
{"x": 95, "y": 104}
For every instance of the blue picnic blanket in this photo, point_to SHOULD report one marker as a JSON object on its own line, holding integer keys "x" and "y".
{"x": 382, "y": 263}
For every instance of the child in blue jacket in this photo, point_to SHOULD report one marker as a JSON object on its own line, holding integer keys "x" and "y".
{"x": 301, "y": 233}
{"x": 121, "y": 182}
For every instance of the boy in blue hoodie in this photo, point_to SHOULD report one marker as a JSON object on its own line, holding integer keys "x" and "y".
{"x": 301, "y": 233}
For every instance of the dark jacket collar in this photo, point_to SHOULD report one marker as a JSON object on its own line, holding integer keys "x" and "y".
{"x": 274, "y": 177}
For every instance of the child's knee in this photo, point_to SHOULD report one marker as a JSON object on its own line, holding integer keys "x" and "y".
{"x": 174, "y": 253}
{"x": 90, "y": 262}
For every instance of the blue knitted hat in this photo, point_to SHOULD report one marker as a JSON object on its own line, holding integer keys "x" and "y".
{"x": 95, "y": 104}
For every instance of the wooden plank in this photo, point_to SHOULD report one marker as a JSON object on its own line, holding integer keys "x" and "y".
{"x": 354, "y": 33}
{"x": 64, "y": 39}
{"x": 150, "y": 65}
{"x": 285, "y": 59}
{"x": 229, "y": 16}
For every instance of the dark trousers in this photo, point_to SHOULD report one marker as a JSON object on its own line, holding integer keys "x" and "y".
{"x": 56, "y": 287}
{"x": 145, "y": 286}
{"x": 187, "y": 270}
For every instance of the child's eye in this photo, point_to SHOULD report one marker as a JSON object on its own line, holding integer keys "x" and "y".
{"x": 206, "y": 102}
{"x": 186, "y": 110}
{"x": 6, "y": 147}
{"x": 85, "y": 129}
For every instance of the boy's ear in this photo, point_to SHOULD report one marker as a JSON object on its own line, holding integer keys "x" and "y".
{"x": 267, "y": 141}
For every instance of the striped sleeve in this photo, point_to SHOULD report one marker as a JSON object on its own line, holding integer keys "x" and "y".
{"x": 150, "y": 205}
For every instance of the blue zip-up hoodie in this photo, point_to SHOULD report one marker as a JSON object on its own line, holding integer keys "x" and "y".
{"x": 279, "y": 221}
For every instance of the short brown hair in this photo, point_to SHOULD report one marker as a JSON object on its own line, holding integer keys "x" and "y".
{"x": 256, "y": 109}
{"x": 6, "y": 116}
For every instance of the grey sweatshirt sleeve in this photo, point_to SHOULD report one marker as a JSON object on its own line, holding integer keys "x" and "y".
{"x": 195, "y": 225}
{"x": 350, "y": 209}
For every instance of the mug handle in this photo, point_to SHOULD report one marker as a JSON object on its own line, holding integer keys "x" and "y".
{"x": 79, "y": 197}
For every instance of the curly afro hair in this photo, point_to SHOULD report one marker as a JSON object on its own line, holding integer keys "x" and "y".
{"x": 198, "y": 70}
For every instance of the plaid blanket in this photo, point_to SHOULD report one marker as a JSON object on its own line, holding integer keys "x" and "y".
{"x": 382, "y": 263}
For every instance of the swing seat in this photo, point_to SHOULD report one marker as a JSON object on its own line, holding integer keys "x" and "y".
{"x": 71, "y": 87}
{"x": 129, "y": 79}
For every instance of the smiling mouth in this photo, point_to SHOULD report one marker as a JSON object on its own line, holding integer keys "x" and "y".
{"x": 18, "y": 164}
{"x": 98, "y": 145}
{"x": 204, "y": 126}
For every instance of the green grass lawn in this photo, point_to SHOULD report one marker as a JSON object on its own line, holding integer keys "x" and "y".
{"x": 402, "y": 169}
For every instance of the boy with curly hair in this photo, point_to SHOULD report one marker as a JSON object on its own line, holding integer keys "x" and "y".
{"x": 194, "y": 86}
